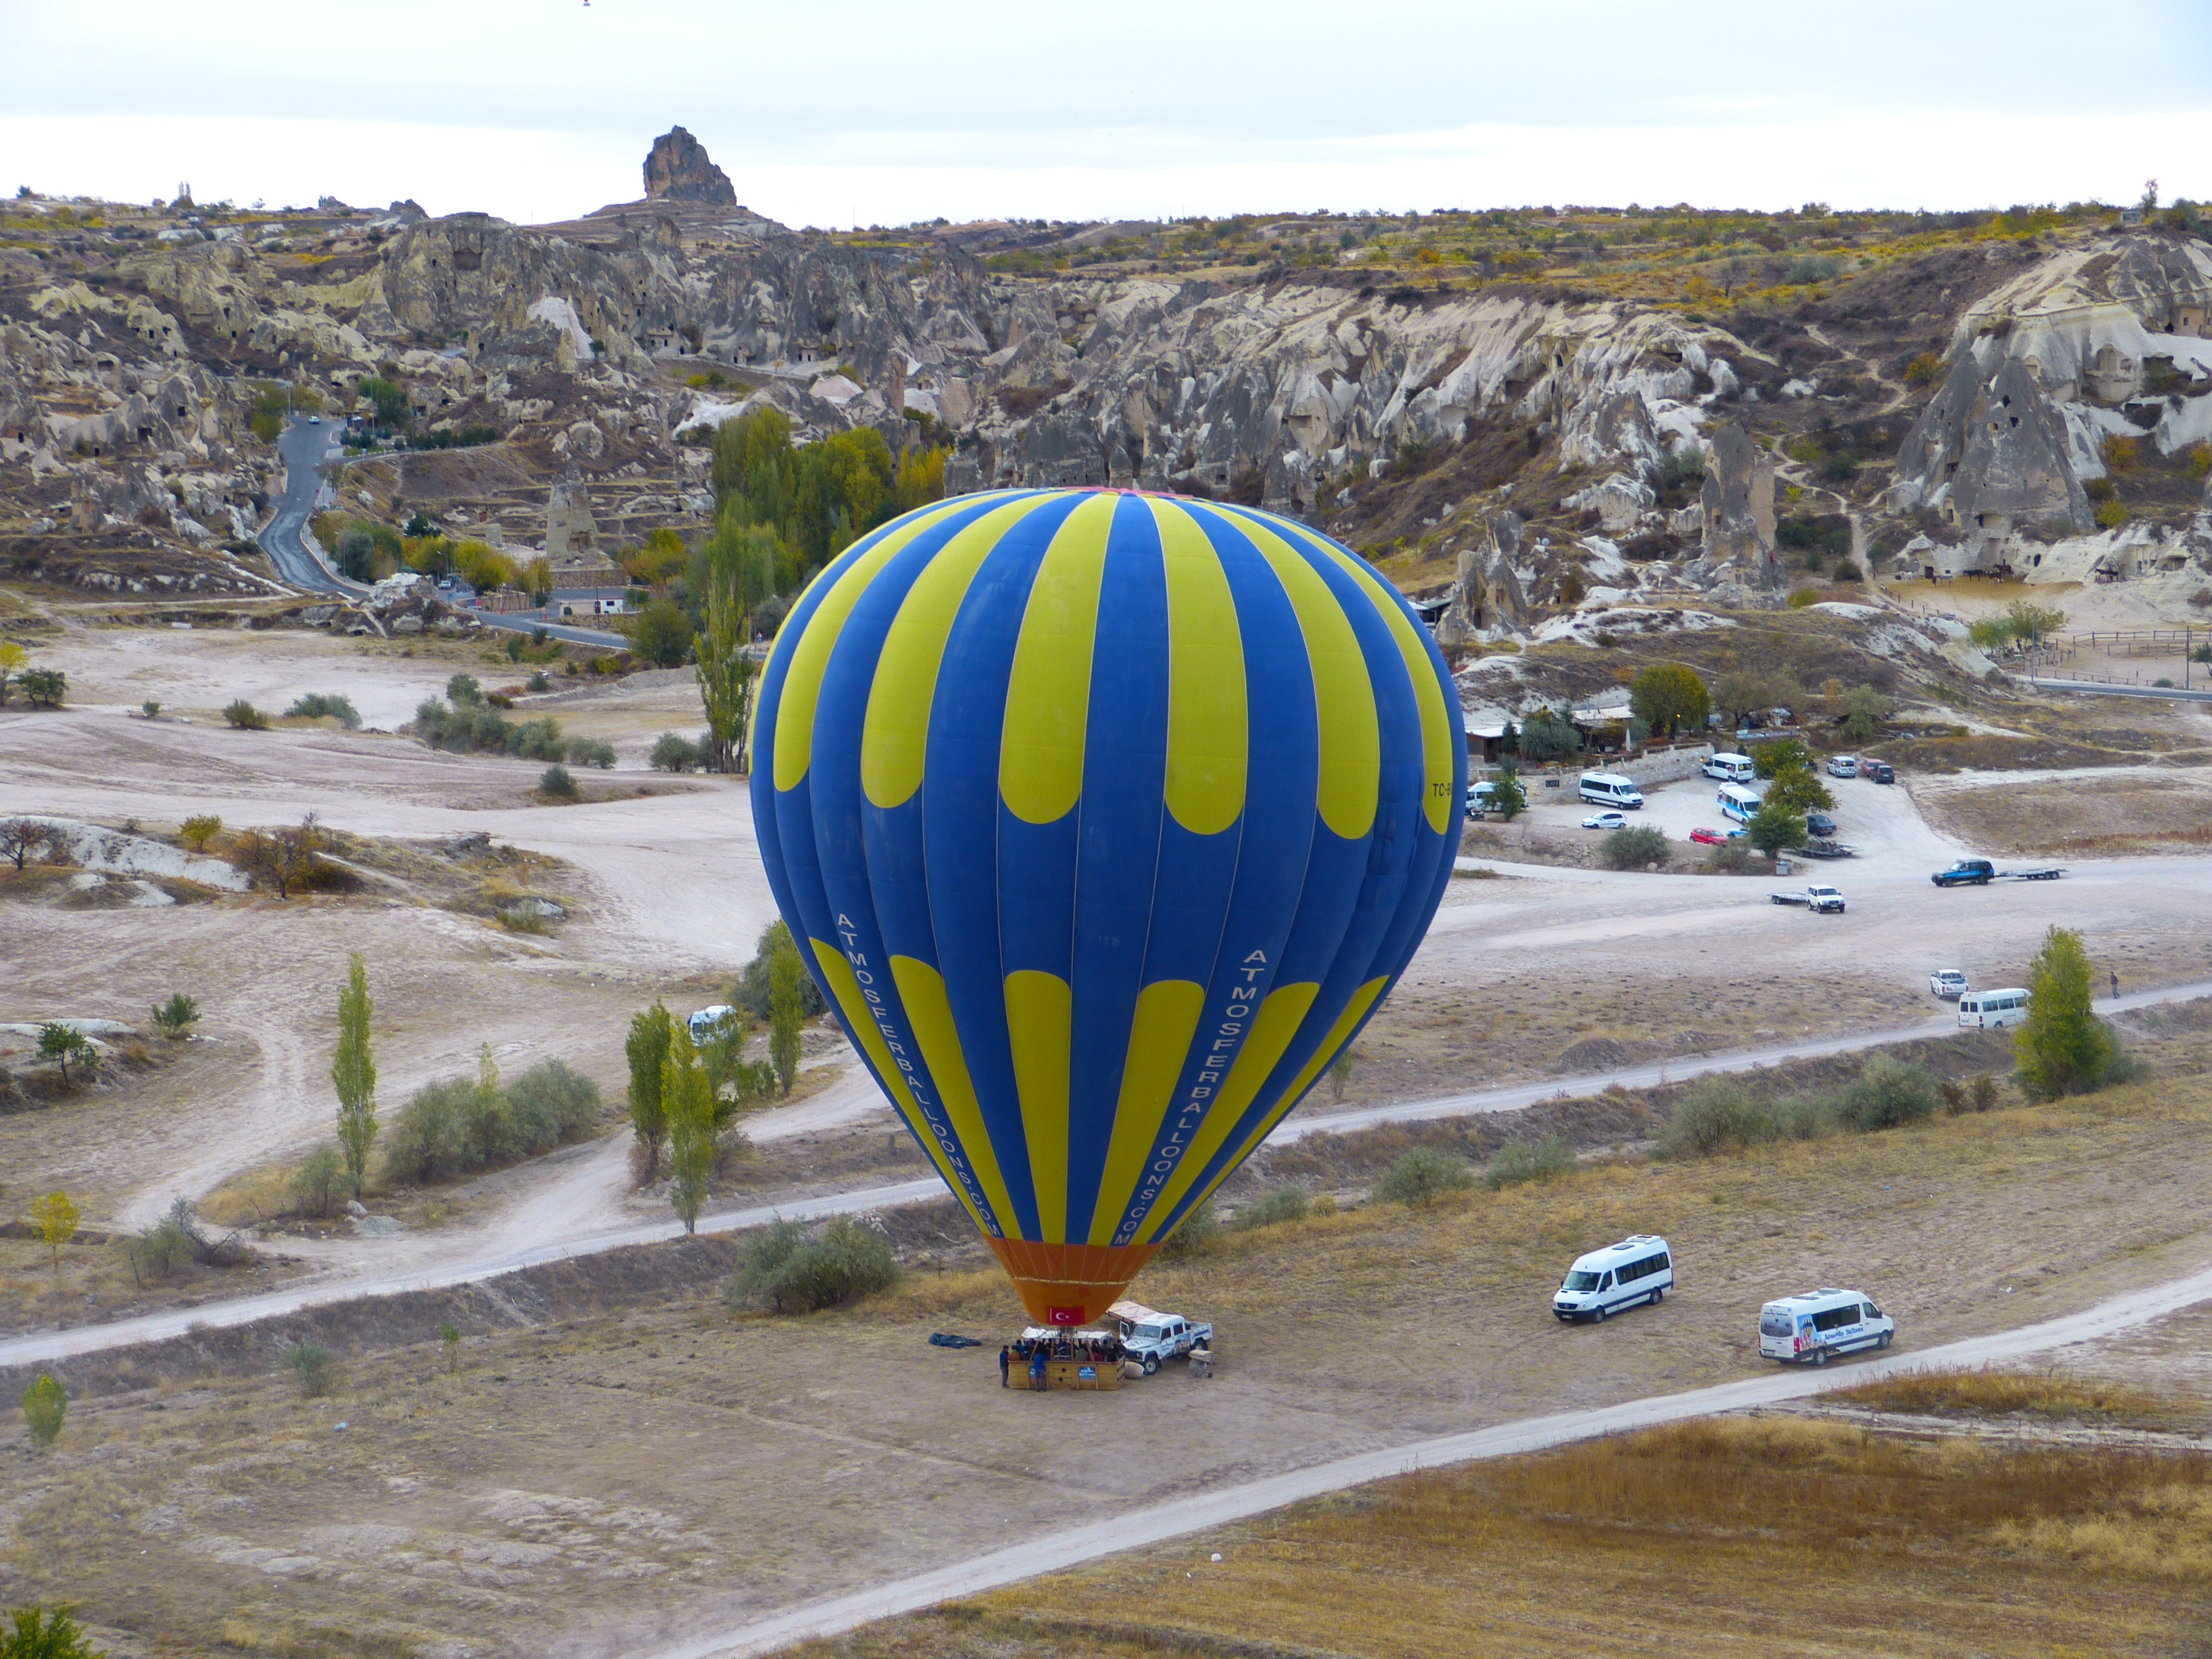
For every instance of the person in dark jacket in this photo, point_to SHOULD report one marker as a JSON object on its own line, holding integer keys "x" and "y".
{"x": 1036, "y": 1369}
{"x": 1006, "y": 1359}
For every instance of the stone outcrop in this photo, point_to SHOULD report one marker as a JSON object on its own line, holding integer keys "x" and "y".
{"x": 1738, "y": 513}
{"x": 676, "y": 169}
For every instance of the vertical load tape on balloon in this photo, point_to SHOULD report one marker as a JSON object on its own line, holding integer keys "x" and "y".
{"x": 1105, "y": 821}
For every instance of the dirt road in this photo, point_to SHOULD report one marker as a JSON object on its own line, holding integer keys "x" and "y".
{"x": 1133, "y": 1529}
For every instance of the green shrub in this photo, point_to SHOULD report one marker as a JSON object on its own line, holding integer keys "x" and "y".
{"x": 1199, "y": 1232}
{"x": 40, "y": 1634}
{"x": 781, "y": 1268}
{"x": 539, "y": 681}
{"x": 457, "y": 1126}
{"x": 1887, "y": 1093}
{"x": 1519, "y": 1161}
{"x": 463, "y": 689}
{"x": 673, "y": 752}
{"x": 1720, "y": 1115}
{"x": 45, "y": 1403}
{"x": 553, "y": 1104}
{"x": 245, "y": 717}
{"x": 44, "y": 688}
{"x": 1285, "y": 1204}
{"x": 592, "y": 751}
{"x": 1423, "y": 1175}
{"x": 316, "y": 1184}
{"x": 557, "y": 782}
{"x": 324, "y": 705}
{"x": 315, "y": 1366}
{"x": 1730, "y": 858}
{"x": 1633, "y": 848}
{"x": 424, "y": 1142}
{"x": 540, "y": 739}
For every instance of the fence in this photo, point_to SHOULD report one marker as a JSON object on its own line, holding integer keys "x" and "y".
{"x": 2135, "y": 641}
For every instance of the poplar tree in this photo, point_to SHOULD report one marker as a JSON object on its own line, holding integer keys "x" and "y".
{"x": 651, "y": 1036}
{"x": 786, "y": 1013}
{"x": 353, "y": 1073}
{"x": 687, "y": 1101}
{"x": 725, "y": 678}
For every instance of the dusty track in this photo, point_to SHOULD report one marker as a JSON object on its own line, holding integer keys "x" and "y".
{"x": 1132, "y": 1529}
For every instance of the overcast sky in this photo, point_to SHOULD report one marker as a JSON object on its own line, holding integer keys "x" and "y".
{"x": 835, "y": 112}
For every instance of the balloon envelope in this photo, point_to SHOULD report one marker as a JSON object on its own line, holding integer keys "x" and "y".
{"x": 1105, "y": 821}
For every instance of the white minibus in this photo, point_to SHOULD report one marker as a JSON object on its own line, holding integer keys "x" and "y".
{"x": 1639, "y": 1268}
{"x": 1730, "y": 769}
{"x": 1983, "y": 1008}
{"x": 1611, "y": 789}
{"x": 1738, "y": 801}
{"x": 1805, "y": 1329}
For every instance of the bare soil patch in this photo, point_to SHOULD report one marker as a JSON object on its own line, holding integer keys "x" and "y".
{"x": 2103, "y": 817}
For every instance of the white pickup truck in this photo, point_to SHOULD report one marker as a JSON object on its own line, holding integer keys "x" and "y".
{"x": 1151, "y": 1336}
{"x": 1818, "y": 900}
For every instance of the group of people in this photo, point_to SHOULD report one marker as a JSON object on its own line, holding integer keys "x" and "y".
{"x": 1031, "y": 1353}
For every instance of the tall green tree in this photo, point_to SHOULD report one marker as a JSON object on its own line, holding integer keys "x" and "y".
{"x": 2062, "y": 1046}
{"x": 1774, "y": 829}
{"x": 353, "y": 1073}
{"x": 1669, "y": 697}
{"x": 725, "y": 671}
{"x": 786, "y": 1013}
{"x": 652, "y": 1034}
{"x": 687, "y": 1100}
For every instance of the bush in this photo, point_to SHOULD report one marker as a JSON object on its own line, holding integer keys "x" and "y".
{"x": 45, "y": 1403}
{"x": 662, "y": 634}
{"x": 1719, "y": 1114}
{"x": 316, "y": 1184}
{"x": 38, "y": 1634}
{"x": 557, "y": 782}
{"x": 1423, "y": 1175}
{"x": 1729, "y": 859}
{"x": 199, "y": 829}
{"x": 673, "y": 752}
{"x": 592, "y": 751}
{"x": 1887, "y": 1093}
{"x": 315, "y": 1366}
{"x": 2063, "y": 1047}
{"x": 540, "y": 739}
{"x": 457, "y": 1126}
{"x": 324, "y": 705}
{"x": 539, "y": 681}
{"x": 1519, "y": 1161}
{"x": 1199, "y": 1232}
{"x": 1285, "y": 1204}
{"x": 752, "y": 995}
{"x": 245, "y": 717}
{"x": 1633, "y": 849}
{"x": 463, "y": 689}
{"x": 781, "y": 1268}
{"x": 176, "y": 1017}
{"x": 44, "y": 688}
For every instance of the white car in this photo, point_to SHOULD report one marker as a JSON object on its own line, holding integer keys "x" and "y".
{"x": 1949, "y": 983}
{"x": 1605, "y": 821}
{"x": 1843, "y": 766}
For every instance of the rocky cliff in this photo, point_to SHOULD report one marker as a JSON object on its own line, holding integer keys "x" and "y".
{"x": 676, "y": 169}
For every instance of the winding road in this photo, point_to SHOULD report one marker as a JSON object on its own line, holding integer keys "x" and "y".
{"x": 304, "y": 449}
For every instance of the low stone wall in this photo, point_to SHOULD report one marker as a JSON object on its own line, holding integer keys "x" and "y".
{"x": 1662, "y": 765}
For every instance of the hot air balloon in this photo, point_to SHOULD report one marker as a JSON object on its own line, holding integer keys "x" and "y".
{"x": 1105, "y": 820}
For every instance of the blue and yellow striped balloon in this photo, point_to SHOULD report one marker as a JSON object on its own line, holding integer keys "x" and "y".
{"x": 1105, "y": 820}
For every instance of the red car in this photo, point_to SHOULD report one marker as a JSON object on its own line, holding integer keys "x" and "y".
{"x": 1708, "y": 837}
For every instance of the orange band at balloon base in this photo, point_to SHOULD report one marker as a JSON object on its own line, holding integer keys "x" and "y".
{"x": 1070, "y": 1284}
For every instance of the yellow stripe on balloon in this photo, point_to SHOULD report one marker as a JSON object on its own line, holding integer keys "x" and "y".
{"x": 809, "y": 660}
{"x": 895, "y": 740}
{"x": 1323, "y": 1058}
{"x": 1208, "y": 736}
{"x": 1276, "y": 1024}
{"x": 1344, "y": 698}
{"x": 1159, "y": 1041}
{"x": 929, "y": 1011}
{"x": 1048, "y": 691}
{"x": 862, "y": 1024}
{"x": 1040, "y": 1024}
{"x": 1439, "y": 730}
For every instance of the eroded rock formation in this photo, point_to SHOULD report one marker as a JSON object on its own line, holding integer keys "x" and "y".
{"x": 678, "y": 169}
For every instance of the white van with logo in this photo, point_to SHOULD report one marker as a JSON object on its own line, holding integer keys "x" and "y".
{"x": 1804, "y": 1330}
{"x": 1738, "y": 801}
{"x": 1730, "y": 769}
{"x": 1640, "y": 1268}
{"x": 1982, "y": 1009}
{"x": 1611, "y": 789}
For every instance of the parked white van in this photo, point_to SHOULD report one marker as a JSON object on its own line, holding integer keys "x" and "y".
{"x": 1738, "y": 801}
{"x": 1611, "y": 789}
{"x": 1805, "y": 1329}
{"x": 1980, "y": 1009}
{"x": 1730, "y": 769}
{"x": 1481, "y": 798}
{"x": 1639, "y": 1268}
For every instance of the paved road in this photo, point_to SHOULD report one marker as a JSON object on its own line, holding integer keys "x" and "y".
{"x": 843, "y": 1104}
{"x": 529, "y": 623}
{"x": 304, "y": 448}
{"x": 2094, "y": 688}
{"x": 1133, "y": 1528}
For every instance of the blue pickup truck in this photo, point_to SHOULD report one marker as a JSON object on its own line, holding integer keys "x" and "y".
{"x": 1966, "y": 872}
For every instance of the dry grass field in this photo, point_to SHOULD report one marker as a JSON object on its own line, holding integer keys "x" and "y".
{"x": 1760, "y": 1535}
{"x": 608, "y": 1470}
{"x": 2103, "y": 816}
